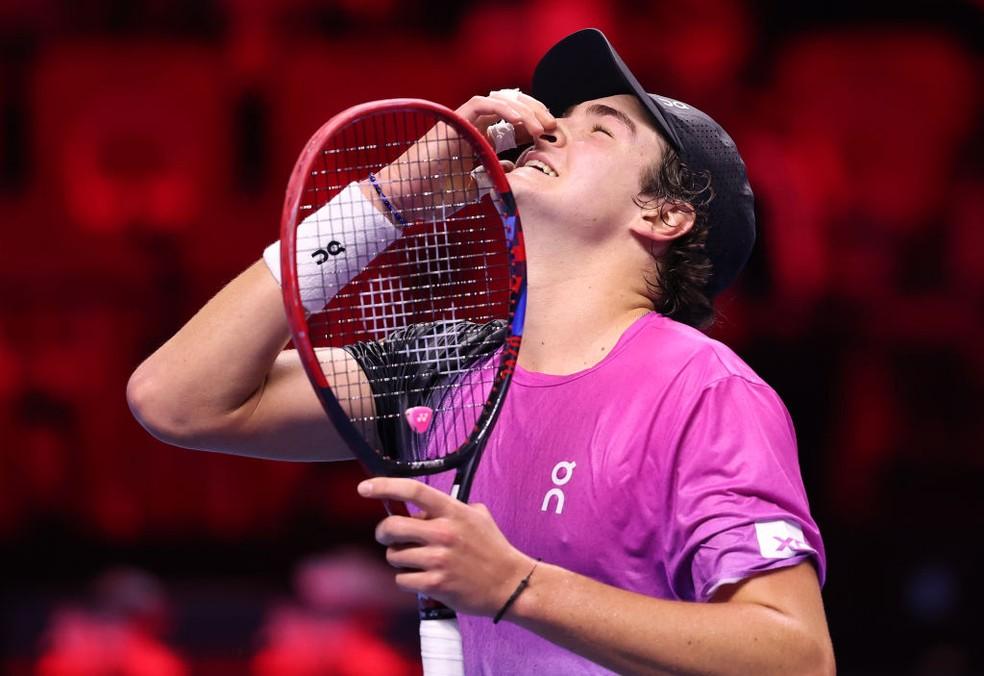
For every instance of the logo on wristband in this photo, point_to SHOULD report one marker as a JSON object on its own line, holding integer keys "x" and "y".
{"x": 333, "y": 249}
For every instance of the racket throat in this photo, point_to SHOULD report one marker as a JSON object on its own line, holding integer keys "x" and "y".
{"x": 430, "y": 609}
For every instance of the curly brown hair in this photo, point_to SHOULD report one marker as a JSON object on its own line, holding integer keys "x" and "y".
{"x": 678, "y": 290}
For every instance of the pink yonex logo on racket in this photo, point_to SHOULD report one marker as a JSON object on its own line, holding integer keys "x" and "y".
{"x": 419, "y": 418}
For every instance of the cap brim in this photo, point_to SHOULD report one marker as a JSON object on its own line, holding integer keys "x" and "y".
{"x": 584, "y": 66}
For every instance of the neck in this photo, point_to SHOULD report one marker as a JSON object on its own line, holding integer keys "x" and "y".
{"x": 575, "y": 314}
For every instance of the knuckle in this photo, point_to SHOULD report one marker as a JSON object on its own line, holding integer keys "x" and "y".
{"x": 445, "y": 534}
{"x": 439, "y": 559}
{"x": 435, "y": 580}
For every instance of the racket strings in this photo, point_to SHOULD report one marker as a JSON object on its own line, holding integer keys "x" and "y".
{"x": 454, "y": 415}
{"x": 367, "y": 415}
{"x": 440, "y": 270}
{"x": 410, "y": 211}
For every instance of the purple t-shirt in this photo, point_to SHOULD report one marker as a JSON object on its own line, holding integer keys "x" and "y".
{"x": 668, "y": 469}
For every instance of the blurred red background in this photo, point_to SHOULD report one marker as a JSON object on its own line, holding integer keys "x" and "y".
{"x": 144, "y": 147}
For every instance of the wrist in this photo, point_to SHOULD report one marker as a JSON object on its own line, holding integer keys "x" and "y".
{"x": 548, "y": 583}
{"x": 516, "y": 586}
{"x": 334, "y": 245}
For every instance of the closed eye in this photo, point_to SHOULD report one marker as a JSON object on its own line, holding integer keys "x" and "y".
{"x": 603, "y": 130}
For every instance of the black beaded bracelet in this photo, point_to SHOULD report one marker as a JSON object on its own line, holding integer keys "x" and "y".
{"x": 385, "y": 201}
{"x": 523, "y": 584}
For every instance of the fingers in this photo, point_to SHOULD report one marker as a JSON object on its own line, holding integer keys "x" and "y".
{"x": 530, "y": 117}
{"x": 533, "y": 115}
{"x": 456, "y": 555}
{"x": 527, "y": 104}
{"x": 421, "y": 582}
{"x": 404, "y": 530}
{"x": 415, "y": 557}
{"x": 428, "y": 499}
{"x": 419, "y": 546}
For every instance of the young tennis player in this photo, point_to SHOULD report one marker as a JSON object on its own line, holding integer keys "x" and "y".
{"x": 640, "y": 504}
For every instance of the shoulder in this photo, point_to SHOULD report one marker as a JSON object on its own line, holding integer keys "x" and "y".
{"x": 690, "y": 377}
{"x": 683, "y": 351}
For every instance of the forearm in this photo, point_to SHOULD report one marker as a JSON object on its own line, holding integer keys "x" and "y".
{"x": 409, "y": 184}
{"x": 632, "y": 633}
{"x": 216, "y": 364}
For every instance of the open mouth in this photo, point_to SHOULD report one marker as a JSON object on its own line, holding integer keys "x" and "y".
{"x": 541, "y": 166}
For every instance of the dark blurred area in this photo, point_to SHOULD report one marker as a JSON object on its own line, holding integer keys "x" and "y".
{"x": 144, "y": 148}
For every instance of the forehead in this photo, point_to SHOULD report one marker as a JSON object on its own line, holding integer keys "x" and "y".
{"x": 626, "y": 103}
{"x": 631, "y": 106}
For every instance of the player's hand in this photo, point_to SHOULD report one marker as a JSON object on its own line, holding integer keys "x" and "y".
{"x": 529, "y": 116}
{"x": 453, "y": 553}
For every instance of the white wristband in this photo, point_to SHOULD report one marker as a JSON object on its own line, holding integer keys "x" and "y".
{"x": 334, "y": 244}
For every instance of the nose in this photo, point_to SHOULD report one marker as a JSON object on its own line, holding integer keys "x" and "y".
{"x": 557, "y": 137}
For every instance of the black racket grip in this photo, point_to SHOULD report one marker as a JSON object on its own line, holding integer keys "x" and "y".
{"x": 429, "y": 609}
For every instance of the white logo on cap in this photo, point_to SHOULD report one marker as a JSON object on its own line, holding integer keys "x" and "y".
{"x": 780, "y": 539}
{"x": 672, "y": 103}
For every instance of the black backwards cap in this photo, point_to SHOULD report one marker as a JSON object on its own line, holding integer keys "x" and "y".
{"x": 584, "y": 66}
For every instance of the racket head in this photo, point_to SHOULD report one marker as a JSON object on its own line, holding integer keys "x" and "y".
{"x": 460, "y": 258}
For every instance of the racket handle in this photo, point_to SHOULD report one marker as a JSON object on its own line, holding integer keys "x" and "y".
{"x": 440, "y": 648}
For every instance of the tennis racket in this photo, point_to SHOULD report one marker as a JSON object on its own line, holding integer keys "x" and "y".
{"x": 454, "y": 280}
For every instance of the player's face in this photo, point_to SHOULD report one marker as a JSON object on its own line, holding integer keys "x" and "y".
{"x": 582, "y": 178}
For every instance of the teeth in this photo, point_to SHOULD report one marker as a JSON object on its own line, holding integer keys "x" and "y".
{"x": 537, "y": 164}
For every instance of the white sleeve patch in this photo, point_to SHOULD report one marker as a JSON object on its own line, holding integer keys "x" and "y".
{"x": 780, "y": 539}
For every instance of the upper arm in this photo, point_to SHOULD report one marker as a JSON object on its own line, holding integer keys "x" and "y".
{"x": 740, "y": 502}
{"x": 793, "y": 591}
{"x": 285, "y": 420}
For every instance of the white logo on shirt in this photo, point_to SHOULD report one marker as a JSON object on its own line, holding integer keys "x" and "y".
{"x": 558, "y": 480}
{"x": 780, "y": 539}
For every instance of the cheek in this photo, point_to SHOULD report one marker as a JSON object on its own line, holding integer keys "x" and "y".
{"x": 616, "y": 182}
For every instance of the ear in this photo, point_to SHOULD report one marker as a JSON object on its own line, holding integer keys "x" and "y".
{"x": 664, "y": 223}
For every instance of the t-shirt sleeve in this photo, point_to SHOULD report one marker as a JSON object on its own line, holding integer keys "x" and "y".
{"x": 740, "y": 507}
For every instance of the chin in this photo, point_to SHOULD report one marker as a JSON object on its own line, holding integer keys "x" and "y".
{"x": 526, "y": 183}
{"x": 516, "y": 180}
